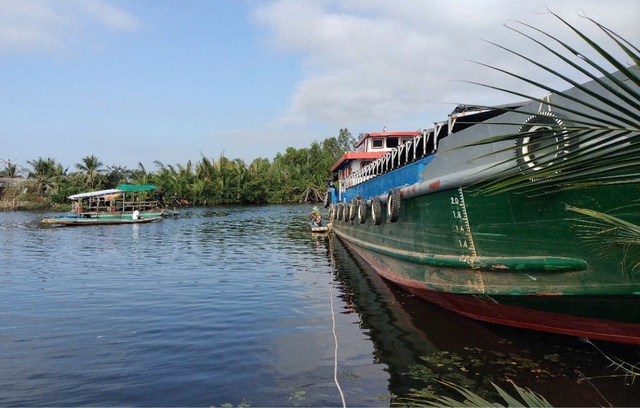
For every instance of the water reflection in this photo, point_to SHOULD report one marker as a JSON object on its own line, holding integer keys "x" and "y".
{"x": 422, "y": 343}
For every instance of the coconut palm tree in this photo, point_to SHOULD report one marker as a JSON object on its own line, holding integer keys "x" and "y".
{"x": 91, "y": 170}
{"x": 46, "y": 172}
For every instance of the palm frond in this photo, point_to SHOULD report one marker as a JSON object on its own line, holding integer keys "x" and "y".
{"x": 594, "y": 137}
{"x": 529, "y": 398}
{"x": 611, "y": 235}
{"x": 628, "y": 369}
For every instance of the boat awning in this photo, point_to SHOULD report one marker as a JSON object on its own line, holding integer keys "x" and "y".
{"x": 348, "y": 157}
{"x": 98, "y": 193}
{"x": 129, "y": 188}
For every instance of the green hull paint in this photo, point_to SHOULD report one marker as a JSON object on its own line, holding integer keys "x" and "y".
{"x": 510, "y": 260}
{"x": 506, "y": 244}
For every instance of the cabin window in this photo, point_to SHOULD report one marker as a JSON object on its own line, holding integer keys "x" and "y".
{"x": 364, "y": 163}
{"x": 406, "y": 140}
{"x": 377, "y": 143}
{"x": 392, "y": 142}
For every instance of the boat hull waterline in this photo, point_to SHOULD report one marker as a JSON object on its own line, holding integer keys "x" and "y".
{"x": 492, "y": 309}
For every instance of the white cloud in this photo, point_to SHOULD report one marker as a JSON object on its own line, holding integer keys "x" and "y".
{"x": 375, "y": 61}
{"x": 112, "y": 17}
{"x": 46, "y": 25}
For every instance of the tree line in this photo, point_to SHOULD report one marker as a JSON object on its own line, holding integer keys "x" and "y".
{"x": 297, "y": 175}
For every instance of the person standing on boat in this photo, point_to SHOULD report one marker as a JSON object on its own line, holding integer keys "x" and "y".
{"x": 175, "y": 201}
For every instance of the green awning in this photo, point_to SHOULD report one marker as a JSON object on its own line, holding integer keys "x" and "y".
{"x": 128, "y": 188}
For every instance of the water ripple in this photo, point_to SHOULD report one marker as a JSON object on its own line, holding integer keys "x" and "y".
{"x": 186, "y": 311}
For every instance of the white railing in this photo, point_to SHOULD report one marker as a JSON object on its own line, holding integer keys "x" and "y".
{"x": 420, "y": 146}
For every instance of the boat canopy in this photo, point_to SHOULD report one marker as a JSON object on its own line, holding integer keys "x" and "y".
{"x": 349, "y": 157}
{"x": 122, "y": 188}
{"x": 99, "y": 193}
{"x": 129, "y": 188}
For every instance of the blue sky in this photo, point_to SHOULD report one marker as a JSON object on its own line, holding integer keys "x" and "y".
{"x": 174, "y": 80}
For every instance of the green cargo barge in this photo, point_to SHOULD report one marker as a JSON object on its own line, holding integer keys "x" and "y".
{"x": 424, "y": 213}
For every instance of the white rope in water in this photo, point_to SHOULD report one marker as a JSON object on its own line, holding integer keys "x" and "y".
{"x": 335, "y": 337}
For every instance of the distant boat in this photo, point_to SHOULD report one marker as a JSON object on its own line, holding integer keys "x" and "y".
{"x": 426, "y": 211}
{"x": 80, "y": 221}
{"x": 119, "y": 202}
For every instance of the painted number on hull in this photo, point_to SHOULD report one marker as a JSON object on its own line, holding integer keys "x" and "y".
{"x": 460, "y": 223}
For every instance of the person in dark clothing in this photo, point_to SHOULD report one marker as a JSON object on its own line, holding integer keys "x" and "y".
{"x": 175, "y": 201}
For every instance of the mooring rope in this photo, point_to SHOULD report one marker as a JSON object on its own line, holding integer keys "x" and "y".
{"x": 333, "y": 319}
{"x": 335, "y": 337}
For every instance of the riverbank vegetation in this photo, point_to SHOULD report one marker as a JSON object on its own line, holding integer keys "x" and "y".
{"x": 297, "y": 175}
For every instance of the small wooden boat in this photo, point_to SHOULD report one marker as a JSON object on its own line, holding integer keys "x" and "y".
{"x": 317, "y": 224}
{"x": 321, "y": 229}
{"x": 82, "y": 221}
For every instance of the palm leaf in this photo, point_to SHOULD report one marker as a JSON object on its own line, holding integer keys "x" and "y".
{"x": 598, "y": 145}
{"x": 628, "y": 369}
{"x": 529, "y": 398}
{"x": 610, "y": 234}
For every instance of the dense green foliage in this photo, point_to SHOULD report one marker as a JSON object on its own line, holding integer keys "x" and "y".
{"x": 297, "y": 175}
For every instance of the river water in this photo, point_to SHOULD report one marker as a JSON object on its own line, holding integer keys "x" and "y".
{"x": 242, "y": 306}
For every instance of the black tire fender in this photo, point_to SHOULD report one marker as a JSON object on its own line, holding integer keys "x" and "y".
{"x": 353, "y": 208}
{"x": 376, "y": 211}
{"x": 393, "y": 205}
{"x": 362, "y": 211}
